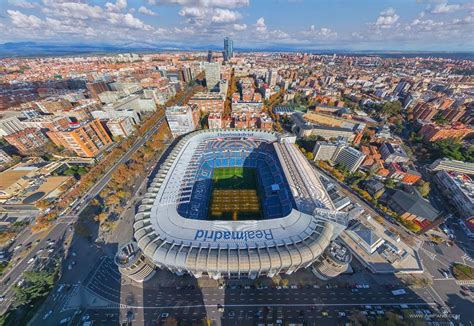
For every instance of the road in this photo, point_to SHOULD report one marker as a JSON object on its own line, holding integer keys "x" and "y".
{"x": 58, "y": 230}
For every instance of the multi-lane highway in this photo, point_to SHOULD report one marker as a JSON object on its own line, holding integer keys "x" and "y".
{"x": 58, "y": 231}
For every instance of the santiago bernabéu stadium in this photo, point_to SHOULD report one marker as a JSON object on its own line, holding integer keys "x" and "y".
{"x": 231, "y": 204}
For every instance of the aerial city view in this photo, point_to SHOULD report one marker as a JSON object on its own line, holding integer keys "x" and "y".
{"x": 236, "y": 162}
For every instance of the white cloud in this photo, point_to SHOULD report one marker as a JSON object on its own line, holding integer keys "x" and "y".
{"x": 144, "y": 10}
{"x": 206, "y": 3}
{"x": 444, "y": 8}
{"x": 260, "y": 25}
{"x": 426, "y": 25}
{"x": 72, "y": 10}
{"x": 322, "y": 32}
{"x": 22, "y": 4}
{"x": 118, "y": 6}
{"x": 225, "y": 16}
{"x": 193, "y": 12}
{"x": 206, "y": 16}
{"x": 21, "y": 20}
{"x": 128, "y": 20}
{"x": 387, "y": 18}
{"x": 239, "y": 27}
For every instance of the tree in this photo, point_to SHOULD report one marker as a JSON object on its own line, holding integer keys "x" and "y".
{"x": 38, "y": 284}
{"x": 424, "y": 188}
{"x": 102, "y": 217}
{"x": 390, "y": 183}
{"x": 112, "y": 200}
{"x": 42, "y": 204}
{"x": 390, "y": 109}
{"x": 453, "y": 148}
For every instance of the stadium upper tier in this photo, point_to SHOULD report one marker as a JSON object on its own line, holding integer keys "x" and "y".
{"x": 298, "y": 223}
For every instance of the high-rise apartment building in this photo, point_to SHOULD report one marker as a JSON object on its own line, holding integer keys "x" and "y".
{"x": 27, "y": 139}
{"x": 208, "y": 102}
{"x": 185, "y": 74}
{"x": 393, "y": 153}
{"x": 325, "y": 151}
{"x": 121, "y": 127}
{"x": 47, "y": 122}
{"x": 10, "y": 125}
{"x": 85, "y": 139}
{"x": 350, "y": 157}
{"x": 182, "y": 119}
{"x": 213, "y": 76}
{"x": 271, "y": 77}
{"x": 4, "y": 157}
{"x": 459, "y": 188}
{"x": 215, "y": 120}
{"x": 447, "y": 164}
{"x": 228, "y": 48}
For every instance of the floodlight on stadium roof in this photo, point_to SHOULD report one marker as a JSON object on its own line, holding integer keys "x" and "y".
{"x": 173, "y": 230}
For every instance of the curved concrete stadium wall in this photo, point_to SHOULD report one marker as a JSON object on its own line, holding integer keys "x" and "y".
{"x": 221, "y": 248}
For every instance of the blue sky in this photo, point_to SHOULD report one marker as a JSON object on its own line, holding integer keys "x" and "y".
{"x": 307, "y": 24}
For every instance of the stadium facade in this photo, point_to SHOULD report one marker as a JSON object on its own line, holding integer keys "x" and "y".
{"x": 298, "y": 222}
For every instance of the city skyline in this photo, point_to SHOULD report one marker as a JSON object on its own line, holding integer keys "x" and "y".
{"x": 408, "y": 25}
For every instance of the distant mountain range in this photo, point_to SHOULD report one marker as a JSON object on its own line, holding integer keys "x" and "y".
{"x": 29, "y": 49}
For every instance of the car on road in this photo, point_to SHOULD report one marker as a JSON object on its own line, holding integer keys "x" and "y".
{"x": 32, "y": 259}
{"x": 60, "y": 288}
{"x": 220, "y": 308}
{"x": 164, "y": 315}
{"x": 65, "y": 320}
{"x": 2, "y": 297}
{"x": 324, "y": 313}
{"x": 85, "y": 318}
{"x": 342, "y": 314}
{"x": 46, "y": 315}
{"x": 231, "y": 313}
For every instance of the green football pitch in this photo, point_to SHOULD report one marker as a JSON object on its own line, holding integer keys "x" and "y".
{"x": 235, "y": 194}
{"x": 234, "y": 178}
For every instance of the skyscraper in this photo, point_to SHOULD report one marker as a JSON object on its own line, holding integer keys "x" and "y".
{"x": 228, "y": 49}
{"x": 209, "y": 56}
{"x": 213, "y": 76}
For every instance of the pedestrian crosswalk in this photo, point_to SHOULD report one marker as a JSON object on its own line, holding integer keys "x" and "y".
{"x": 467, "y": 259}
